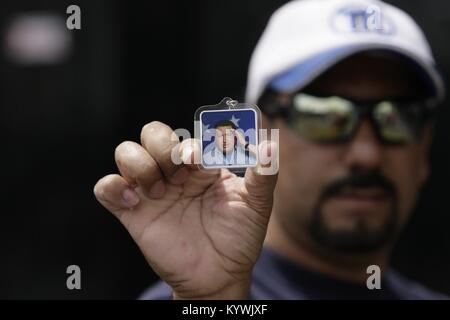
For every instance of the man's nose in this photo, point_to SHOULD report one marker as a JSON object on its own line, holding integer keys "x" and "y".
{"x": 364, "y": 150}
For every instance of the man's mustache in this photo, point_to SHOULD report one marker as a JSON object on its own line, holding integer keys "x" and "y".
{"x": 360, "y": 179}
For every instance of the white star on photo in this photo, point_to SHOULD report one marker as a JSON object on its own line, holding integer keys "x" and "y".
{"x": 235, "y": 120}
{"x": 205, "y": 127}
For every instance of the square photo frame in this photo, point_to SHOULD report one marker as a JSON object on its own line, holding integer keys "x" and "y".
{"x": 229, "y": 138}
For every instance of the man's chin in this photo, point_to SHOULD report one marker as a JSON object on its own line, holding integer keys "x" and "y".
{"x": 359, "y": 204}
{"x": 354, "y": 227}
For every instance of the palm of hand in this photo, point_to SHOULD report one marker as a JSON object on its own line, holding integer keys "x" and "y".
{"x": 201, "y": 236}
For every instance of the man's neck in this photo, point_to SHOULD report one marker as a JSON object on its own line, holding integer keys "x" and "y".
{"x": 352, "y": 268}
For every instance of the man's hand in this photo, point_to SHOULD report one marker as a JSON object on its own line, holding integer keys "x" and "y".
{"x": 240, "y": 137}
{"x": 200, "y": 231}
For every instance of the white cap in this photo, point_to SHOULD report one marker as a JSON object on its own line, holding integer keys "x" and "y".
{"x": 304, "y": 38}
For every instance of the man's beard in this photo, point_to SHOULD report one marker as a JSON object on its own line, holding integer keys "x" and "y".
{"x": 362, "y": 238}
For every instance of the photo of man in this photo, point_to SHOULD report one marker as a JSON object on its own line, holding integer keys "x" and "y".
{"x": 229, "y": 138}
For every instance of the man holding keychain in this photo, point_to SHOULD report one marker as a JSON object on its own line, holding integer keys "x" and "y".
{"x": 354, "y": 102}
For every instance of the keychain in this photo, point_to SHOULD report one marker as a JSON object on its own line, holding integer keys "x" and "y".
{"x": 229, "y": 135}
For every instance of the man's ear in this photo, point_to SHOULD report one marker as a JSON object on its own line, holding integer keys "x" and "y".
{"x": 425, "y": 143}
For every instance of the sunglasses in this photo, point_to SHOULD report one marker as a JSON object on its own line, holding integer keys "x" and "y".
{"x": 332, "y": 119}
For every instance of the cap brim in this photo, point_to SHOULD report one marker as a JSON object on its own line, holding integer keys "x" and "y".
{"x": 303, "y": 73}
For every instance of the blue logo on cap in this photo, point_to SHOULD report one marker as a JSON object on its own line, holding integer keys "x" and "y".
{"x": 362, "y": 19}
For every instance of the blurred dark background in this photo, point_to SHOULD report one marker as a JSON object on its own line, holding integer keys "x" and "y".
{"x": 133, "y": 62}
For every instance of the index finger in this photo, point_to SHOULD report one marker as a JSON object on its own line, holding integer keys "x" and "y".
{"x": 161, "y": 142}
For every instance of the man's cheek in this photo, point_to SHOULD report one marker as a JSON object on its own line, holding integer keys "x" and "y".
{"x": 406, "y": 186}
{"x": 406, "y": 196}
{"x": 306, "y": 189}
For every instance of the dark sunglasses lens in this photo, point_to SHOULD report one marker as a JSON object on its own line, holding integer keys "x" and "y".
{"x": 323, "y": 119}
{"x": 396, "y": 123}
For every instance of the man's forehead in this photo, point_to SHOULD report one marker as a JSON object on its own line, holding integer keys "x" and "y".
{"x": 374, "y": 63}
{"x": 370, "y": 75}
{"x": 224, "y": 127}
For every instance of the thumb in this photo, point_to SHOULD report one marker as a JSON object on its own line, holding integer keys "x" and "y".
{"x": 260, "y": 181}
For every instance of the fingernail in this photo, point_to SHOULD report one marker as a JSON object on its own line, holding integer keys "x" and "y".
{"x": 180, "y": 176}
{"x": 130, "y": 197}
{"x": 158, "y": 189}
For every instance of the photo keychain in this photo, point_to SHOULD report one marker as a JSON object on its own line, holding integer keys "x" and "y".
{"x": 229, "y": 135}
